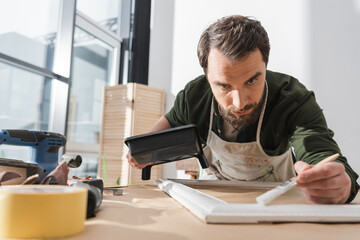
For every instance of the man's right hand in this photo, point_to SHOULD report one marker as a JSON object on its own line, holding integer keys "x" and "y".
{"x": 134, "y": 164}
{"x": 161, "y": 124}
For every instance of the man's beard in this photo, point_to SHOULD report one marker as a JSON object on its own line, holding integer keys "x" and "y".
{"x": 241, "y": 122}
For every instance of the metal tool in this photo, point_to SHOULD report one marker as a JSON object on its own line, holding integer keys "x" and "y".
{"x": 73, "y": 161}
{"x": 45, "y": 145}
{"x": 116, "y": 191}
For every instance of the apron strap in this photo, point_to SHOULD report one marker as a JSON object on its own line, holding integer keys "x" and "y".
{"x": 262, "y": 114}
{"x": 211, "y": 115}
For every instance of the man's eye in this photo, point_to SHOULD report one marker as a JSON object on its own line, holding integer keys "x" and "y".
{"x": 251, "y": 81}
{"x": 224, "y": 86}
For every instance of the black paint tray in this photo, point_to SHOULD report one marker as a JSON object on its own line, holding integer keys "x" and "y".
{"x": 165, "y": 146}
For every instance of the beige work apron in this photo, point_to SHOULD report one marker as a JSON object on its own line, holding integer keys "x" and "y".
{"x": 244, "y": 161}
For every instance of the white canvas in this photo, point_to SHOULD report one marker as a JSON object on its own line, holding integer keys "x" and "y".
{"x": 213, "y": 210}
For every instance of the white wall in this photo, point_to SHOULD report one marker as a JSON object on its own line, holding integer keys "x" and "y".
{"x": 335, "y": 69}
{"x": 312, "y": 40}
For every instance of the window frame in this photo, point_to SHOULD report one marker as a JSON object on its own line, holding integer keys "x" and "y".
{"x": 93, "y": 28}
{"x": 123, "y": 64}
{"x": 60, "y": 74}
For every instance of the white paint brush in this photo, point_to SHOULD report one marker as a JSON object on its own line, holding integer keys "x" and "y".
{"x": 286, "y": 186}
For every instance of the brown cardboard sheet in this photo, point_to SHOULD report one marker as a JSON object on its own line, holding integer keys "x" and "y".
{"x": 145, "y": 212}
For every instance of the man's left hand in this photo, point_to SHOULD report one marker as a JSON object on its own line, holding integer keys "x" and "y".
{"x": 325, "y": 184}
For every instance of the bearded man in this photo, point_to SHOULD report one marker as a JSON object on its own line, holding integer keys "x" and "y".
{"x": 256, "y": 123}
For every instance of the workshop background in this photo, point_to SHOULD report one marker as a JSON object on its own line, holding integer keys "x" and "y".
{"x": 56, "y": 56}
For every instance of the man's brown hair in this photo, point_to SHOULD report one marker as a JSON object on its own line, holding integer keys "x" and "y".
{"x": 235, "y": 37}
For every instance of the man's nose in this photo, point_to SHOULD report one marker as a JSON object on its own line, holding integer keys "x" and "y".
{"x": 239, "y": 99}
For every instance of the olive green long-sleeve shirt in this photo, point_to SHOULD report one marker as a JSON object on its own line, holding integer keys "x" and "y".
{"x": 292, "y": 119}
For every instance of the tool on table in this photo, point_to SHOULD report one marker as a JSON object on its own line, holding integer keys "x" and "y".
{"x": 73, "y": 161}
{"x": 165, "y": 146}
{"x": 115, "y": 190}
{"x": 286, "y": 186}
{"x": 25, "y": 170}
{"x": 60, "y": 174}
{"x": 95, "y": 187}
{"x": 29, "y": 173}
{"x": 45, "y": 149}
{"x": 45, "y": 145}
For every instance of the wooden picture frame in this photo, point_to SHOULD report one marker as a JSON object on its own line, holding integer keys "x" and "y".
{"x": 213, "y": 210}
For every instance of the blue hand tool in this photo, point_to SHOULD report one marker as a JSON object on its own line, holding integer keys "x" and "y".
{"x": 45, "y": 145}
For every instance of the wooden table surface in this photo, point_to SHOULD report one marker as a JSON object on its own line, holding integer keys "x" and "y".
{"x": 145, "y": 212}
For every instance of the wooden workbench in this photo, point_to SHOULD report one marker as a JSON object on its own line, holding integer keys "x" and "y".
{"x": 145, "y": 212}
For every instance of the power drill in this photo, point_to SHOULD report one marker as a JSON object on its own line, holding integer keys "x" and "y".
{"x": 45, "y": 145}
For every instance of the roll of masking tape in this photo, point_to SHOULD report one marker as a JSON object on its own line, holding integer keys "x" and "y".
{"x": 41, "y": 211}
